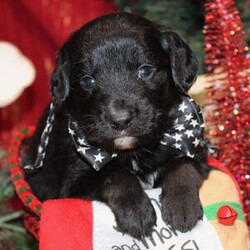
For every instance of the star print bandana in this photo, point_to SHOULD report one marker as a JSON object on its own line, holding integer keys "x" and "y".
{"x": 41, "y": 152}
{"x": 187, "y": 132}
{"x": 186, "y": 135}
{"x": 93, "y": 155}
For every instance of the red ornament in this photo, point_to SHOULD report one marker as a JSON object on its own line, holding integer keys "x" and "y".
{"x": 226, "y": 215}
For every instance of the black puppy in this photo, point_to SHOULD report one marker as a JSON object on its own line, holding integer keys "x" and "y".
{"x": 117, "y": 90}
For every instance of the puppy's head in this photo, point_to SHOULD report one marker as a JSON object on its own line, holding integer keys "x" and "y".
{"x": 119, "y": 77}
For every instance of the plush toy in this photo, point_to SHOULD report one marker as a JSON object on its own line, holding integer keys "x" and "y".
{"x": 90, "y": 225}
{"x": 16, "y": 73}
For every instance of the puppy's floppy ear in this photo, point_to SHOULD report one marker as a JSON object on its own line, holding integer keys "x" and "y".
{"x": 60, "y": 84}
{"x": 183, "y": 62}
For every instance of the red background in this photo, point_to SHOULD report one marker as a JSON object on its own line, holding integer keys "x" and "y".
{"x": 38, "y": 28}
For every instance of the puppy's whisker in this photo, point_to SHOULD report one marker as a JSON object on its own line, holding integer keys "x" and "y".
{"x": 136, "y": 156}
{"x": 90, "y": 127}
{"x": 147, "y": 150}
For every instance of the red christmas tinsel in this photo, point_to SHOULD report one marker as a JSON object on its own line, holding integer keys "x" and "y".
{"x": 228, "y": 115}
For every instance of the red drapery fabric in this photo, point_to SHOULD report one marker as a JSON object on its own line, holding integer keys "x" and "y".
{"x": 38, "y": 28}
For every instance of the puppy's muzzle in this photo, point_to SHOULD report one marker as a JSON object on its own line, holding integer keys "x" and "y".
{"x": 119, "y": 115}
{"x": 120, "y": 120}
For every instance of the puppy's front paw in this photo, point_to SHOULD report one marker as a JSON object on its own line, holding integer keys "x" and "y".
{"x": 181, "y": 209}
{"x": 137, "y": 218}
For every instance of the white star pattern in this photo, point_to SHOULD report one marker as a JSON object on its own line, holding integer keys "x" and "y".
{"x": 194, "y": 123}
{"x": 185, "y": 134}
{"x": 166, "y": 134}
{"x": 163, "y": 143}
{"x": 189, "y": 133}
{"x": 182, "y": 107}
{"x": 188, "y": 117}
{"x": 82, "y": 149}
{"x": 176, "y": 121}
{"x": 178, "y": 146}
{"x": 47, "y": 127}
{"x": 40, "y": 149}
{"x": 41, "y": 164}
{"x": 95, "y": 156}
{"x": 81, "y": 141}
{"x": 190, "y": 155}
{"x": 72, "y": 132}
{"x": 180, "y": 127}
{"x": 177, "y": 137}
{"x": 196, "y": 142}
{"x": 46, "y": 141}
{"x": 49, "y": 130}
{"x": 99, "y": 157}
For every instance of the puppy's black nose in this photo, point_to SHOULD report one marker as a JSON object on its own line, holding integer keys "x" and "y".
{"x": 120, "y": 114}
{"x": 121, "y": 119}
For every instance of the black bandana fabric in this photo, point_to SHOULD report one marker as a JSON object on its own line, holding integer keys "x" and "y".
{"x": 188, "y": 129}
{"x": 96, "y": 157}
{"x": 41, "y": 151}
{"x": 186, "y": 135}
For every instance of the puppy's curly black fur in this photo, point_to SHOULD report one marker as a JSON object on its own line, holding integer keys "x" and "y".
{"x": 121, "y": 78}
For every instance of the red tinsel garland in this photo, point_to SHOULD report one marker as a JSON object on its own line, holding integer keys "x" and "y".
{"x": 228, "y": 118}
{"x": 23, "y": 190}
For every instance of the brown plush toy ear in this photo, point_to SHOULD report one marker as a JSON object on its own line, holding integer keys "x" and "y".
{"x": 60, "y": 84}
{"x": 182, "y": 59}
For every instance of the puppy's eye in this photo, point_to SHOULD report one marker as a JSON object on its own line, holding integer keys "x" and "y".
{"x": 88, "y": 82}
{"x": 146, "y": 71}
